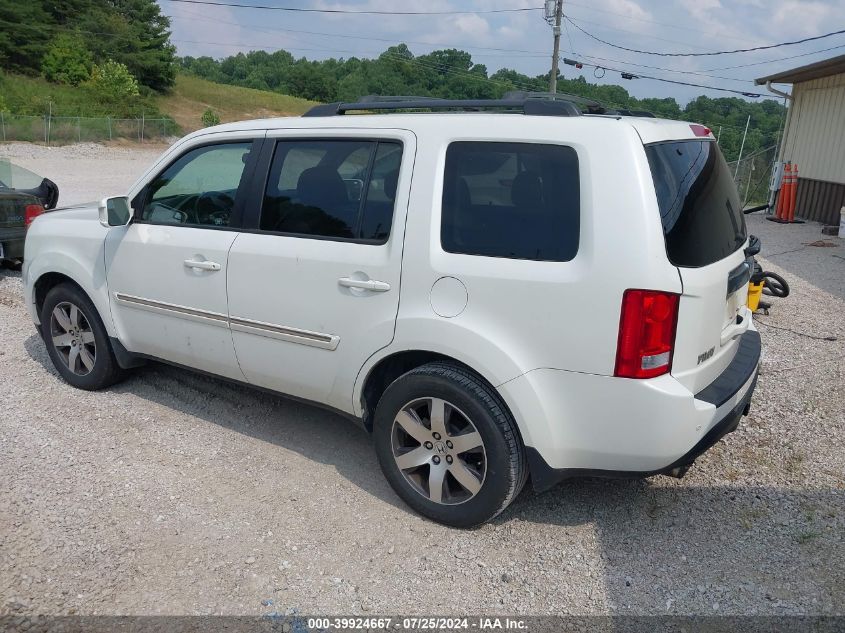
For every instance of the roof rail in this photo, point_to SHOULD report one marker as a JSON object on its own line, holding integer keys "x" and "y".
{"x": 529, "y": 106}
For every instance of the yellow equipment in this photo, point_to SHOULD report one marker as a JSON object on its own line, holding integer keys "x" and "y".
{"x": 755, "y": 291}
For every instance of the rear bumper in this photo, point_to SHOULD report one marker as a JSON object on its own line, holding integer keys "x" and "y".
{"x": 587, "y": 425}
{"x": 12, "y": 243}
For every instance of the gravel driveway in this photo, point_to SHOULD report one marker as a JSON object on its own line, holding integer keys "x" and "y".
{"x": 174, "y": 493}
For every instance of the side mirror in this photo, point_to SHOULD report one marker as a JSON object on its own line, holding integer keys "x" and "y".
{"x": 115, "y": 211}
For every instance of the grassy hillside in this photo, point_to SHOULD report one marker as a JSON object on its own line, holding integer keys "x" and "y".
{"x": 36, "y": 96}
{"x": 191, "y": 96}
{"x": 186, "y": 102}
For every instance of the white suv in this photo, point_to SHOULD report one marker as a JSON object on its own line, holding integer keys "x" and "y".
{"x": 497, "y": 290}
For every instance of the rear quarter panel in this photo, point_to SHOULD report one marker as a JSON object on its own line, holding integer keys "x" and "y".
{"x": 523, "y": 315}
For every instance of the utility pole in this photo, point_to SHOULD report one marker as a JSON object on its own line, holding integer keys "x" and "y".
{"x": 742, "y": 146}
{"x": 554, "y": 12}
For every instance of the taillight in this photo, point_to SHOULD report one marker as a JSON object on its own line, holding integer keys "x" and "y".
{"x": 646, "y": 333}
{"x": 31, "y": 212}
{"x": 699, "y": 130}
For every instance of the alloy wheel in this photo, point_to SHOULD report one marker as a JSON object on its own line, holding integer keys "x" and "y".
{"x": 439, "y": 451}
{"x": 73, "y": 338}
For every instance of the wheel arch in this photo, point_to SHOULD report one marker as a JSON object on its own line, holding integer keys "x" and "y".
{"x": 69, "y": 270}
{"x": 380, "y": 372}
{"x": 45, "y": 283}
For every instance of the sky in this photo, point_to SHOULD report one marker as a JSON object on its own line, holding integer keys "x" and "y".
{"x": 523, "y": 41}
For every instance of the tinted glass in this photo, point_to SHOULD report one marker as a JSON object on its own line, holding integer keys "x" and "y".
{"x": 516, "y": 200}
{"x": 381, "y": 193}
{"x": 334, "y": 189}
{"x": 699, "y": 204}
{"x": 16, "y": 177}
{"x": 199, "y": 188}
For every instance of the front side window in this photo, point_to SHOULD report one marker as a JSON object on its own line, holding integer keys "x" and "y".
{"x": 515, "y": 200}
{"x": 199, "y": 188}
{"x": 340, "y": 189}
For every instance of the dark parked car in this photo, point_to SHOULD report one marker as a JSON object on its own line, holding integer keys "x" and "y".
{"x": 24, "y": 196}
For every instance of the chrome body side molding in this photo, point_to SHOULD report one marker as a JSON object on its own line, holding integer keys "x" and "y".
{"x": 259, "y": 328}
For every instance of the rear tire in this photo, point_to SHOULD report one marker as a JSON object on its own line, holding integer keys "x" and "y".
{"x": 77, "y": 341}
{"x": 448, "y": 445}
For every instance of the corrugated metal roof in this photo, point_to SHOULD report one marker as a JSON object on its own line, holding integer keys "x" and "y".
{"x": 824, "y": 68}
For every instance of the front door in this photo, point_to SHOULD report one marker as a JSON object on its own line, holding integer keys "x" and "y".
{"x": 167, "y": 269}
{"x": 314, "y": 283}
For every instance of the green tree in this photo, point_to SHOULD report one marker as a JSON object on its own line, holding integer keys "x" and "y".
{"x": 67, "y": 61}
{"x": 24, "y": 34}
{"x": 112, "y": 81}
{"x": 132, "y": 32}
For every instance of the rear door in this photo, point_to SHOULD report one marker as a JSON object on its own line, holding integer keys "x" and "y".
{"x": 313, "y": 282}
{"x": 705, "y": 234}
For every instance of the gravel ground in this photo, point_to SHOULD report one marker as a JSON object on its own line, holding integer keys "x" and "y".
{"x": 174, "y": 493}
{"x": 85, "y": 171}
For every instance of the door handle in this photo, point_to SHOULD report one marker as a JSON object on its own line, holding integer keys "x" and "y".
{"x": 201, "y": 265}
{"x": 364, "y": 284}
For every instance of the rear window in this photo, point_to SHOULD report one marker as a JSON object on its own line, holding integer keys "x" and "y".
{"x": 515, "y": 200}
{"x": 699, "y": 204}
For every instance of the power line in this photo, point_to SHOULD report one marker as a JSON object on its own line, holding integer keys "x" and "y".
{"x": 417, "y": 62}
{"x": 708, "y": 54}
{"x": 668, "y": 70}
{"x": 506, "y": 51}
{"x": 58, "y": 27}
{"x": 428, "y": 65}
{"x": 352, "y": 11}
{"x": 672, "y": 81}
{"x": 196, "y": 16}
{"x": 469, "y": 75}
{"x": 780, "y": 59}
{"x": 638, "y": 33}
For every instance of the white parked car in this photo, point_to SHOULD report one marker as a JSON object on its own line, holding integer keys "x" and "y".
{"x": 496, "y": 290}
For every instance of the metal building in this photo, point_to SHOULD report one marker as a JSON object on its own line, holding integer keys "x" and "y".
{"x": 814, "y": 136}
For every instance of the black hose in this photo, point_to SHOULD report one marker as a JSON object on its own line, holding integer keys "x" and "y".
{"x": 775, "y": 285}
{"x": 755, "y": 209}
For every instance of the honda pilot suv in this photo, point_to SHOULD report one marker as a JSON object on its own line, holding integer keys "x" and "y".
{"x": 497, "y": 290}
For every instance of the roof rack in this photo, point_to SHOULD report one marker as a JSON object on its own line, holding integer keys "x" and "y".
{"x": 640, "y": 113}
{"x": 591, "y": 105}
{"x": 529, "y": 106}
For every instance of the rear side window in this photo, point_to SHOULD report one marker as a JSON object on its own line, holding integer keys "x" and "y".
{"x": 699, "y": 204}
{"x": 340, "y": 189}
{"x": 515, "y": 200}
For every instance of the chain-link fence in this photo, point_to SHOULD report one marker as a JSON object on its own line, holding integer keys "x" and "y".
{"x": 753, "y": 176}
{"x": 75, "y": 129}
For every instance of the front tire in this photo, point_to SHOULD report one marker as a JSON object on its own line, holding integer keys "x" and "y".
{"x": 76, "y": 339}
{"x": 448, "y": 445}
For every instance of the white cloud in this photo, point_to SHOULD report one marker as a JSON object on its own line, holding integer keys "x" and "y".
{"x": 806, "y": 18}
